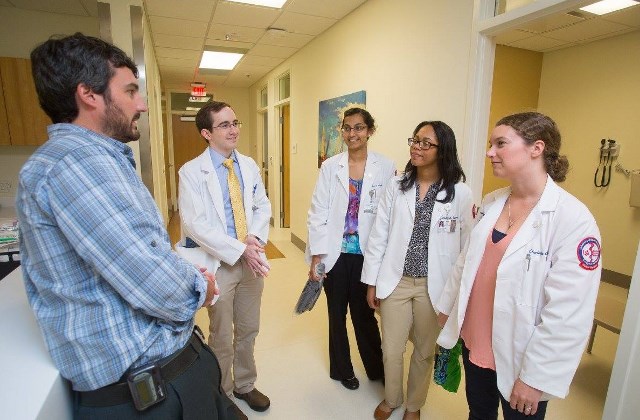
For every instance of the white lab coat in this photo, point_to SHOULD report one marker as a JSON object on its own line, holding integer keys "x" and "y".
{"x": 389, "y": 239}
{"x": 330, "y": 200}
{"x": 544, "y": 299}
{"x": 202, "y": 211}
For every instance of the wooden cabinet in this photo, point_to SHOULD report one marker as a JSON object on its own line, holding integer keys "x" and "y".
{"x": 5, "y": 139}
{"x": 26, "y": 122}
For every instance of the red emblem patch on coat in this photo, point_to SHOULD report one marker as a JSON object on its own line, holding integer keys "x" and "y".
{"x": 589, "y": 253}
{"x": 474, "y": 211}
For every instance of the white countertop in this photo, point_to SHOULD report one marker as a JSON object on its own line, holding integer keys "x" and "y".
{"x": 30, "y": 385}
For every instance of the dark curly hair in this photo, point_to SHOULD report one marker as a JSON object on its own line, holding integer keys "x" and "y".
{"x": 60, "y": 65}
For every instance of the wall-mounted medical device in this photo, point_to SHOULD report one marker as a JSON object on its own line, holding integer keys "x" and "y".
{"x": 609, "y": 151}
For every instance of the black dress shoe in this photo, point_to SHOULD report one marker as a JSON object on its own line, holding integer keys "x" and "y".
{"x": 352, "y": 383}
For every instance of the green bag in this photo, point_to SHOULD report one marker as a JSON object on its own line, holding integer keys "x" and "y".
{"x": 446, "y": 369}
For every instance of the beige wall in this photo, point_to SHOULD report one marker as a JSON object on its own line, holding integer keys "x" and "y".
{"x": 516, "y": 83}
{"x": 593, "y": 92}
{"x": 410, "y": 56}
{"x": 238, "y": 98}
{"x": 156, "y": 134}
{"x": 16, "y": 42}
{"x": 22, "y": 30}
{"x": 11, "y": 160}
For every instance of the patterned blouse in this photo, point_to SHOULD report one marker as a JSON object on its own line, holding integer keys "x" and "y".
{"x": 350, "y": 238}
{"x": 416, "y": 261}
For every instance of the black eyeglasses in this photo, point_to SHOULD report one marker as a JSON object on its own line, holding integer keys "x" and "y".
{"x": 359, "y": 128}
{"x": 227, "y": 125}
{"x": 422, "y": 144}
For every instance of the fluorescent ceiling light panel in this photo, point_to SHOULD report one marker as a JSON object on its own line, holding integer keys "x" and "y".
{"x": 199, "y": 98}
{"x": 608, "y": 6}
{"x": 219, "y": 60}
{"x": 276, "y": 4}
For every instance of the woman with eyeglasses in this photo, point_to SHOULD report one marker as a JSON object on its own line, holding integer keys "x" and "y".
{"x": 423, "y": 221}
{"x": 343, "y": 207}
{"x": 523, "y": 303}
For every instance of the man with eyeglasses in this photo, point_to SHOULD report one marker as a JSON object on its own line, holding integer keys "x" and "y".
{"x": 225, "y": 217}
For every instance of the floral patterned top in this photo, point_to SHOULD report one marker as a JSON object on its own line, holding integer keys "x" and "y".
{"x": 350, "y": 238}
{"x": 416, "y": 261}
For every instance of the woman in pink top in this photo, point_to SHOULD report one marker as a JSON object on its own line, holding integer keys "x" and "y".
{"x": 523, "y": 294}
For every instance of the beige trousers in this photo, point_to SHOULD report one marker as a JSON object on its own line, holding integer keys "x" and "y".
{"x": 234, "y": 324}
{"x": 408, "y": 311}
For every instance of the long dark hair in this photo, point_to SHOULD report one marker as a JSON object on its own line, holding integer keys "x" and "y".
{"x": 447, "y": 158}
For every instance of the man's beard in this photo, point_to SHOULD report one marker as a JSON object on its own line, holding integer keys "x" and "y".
{"x": 116, "y": 125}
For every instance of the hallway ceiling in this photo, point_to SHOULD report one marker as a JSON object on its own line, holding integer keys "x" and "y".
{"x": 181, "y": 33}
{"x": 181, "y": 29}
{"x": 570, "y": 29}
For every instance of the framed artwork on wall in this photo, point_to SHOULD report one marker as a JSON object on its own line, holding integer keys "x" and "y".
{"x": 331, "y": 110}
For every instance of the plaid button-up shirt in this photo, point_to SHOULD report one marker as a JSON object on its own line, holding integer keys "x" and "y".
{"x": 106, "y": 288}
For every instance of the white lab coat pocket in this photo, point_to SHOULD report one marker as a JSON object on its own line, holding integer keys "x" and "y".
{"x": 535, "y": 267}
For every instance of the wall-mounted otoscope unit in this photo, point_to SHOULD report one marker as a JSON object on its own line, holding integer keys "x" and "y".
{"x": 609, "y": 151}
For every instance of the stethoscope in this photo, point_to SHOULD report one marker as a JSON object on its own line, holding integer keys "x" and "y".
{"x": 605, "y": 164}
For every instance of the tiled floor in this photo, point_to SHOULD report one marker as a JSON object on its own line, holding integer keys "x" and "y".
{"x": 292, "y": 359}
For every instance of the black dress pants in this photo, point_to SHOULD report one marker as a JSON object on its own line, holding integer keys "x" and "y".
{"x": 343, "y": 288}
{"x": 194, "y": 395}
{"x": 483, "y": 395}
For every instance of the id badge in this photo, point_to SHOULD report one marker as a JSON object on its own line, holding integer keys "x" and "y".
{"x": 447, "y": 225}
{"x": 443, "y": 225}
{"x": 371, "y": 201}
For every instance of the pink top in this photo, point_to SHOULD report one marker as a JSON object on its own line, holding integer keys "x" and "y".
{"x": 477, "y": 327}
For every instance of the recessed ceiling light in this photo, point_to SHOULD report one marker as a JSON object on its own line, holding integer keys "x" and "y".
{"x": 219, "y": 60}
{"x": 277, "y": 4}
{"x": 608, "y": 6}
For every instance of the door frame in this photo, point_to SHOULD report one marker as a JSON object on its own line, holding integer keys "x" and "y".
{"x": 285, "y": 173}
{"x": 623, "y": 384}
{"x": 482, "y": 54}
{"x": 276, "y": 163}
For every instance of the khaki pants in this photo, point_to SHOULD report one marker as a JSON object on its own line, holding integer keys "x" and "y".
{"x": 234, "y": 324}
{"x": 406, "y": 311}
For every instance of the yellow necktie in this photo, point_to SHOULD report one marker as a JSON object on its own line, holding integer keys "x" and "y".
{"x": 235, "y": 194}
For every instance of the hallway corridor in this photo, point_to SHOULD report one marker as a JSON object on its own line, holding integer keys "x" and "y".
{"x": 293, "y": 363}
